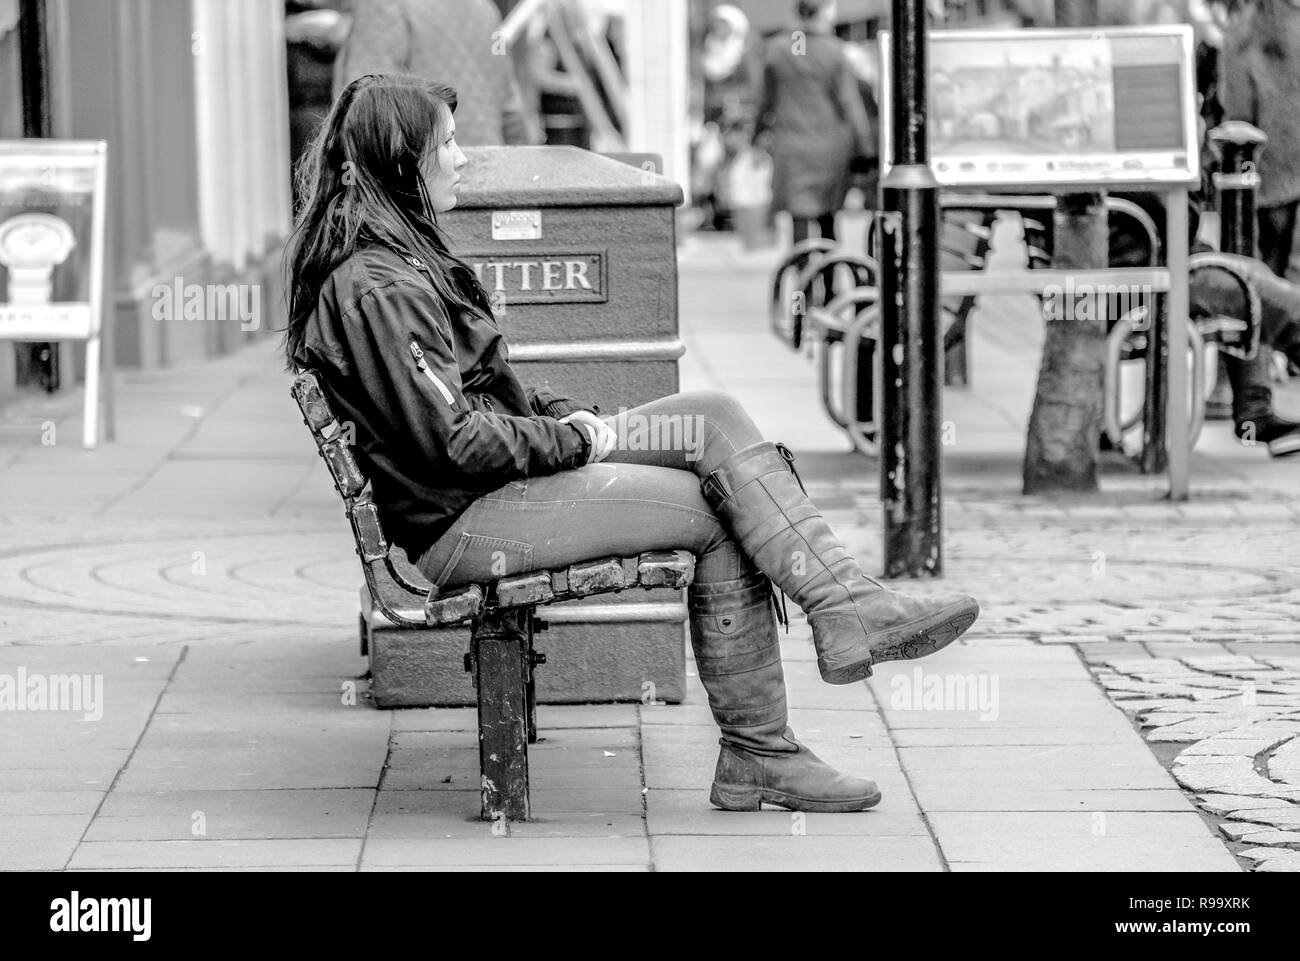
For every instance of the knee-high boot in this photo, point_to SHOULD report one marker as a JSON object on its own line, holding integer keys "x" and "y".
{"x": 733, "y": 634}
{"x": 855, "y": 620}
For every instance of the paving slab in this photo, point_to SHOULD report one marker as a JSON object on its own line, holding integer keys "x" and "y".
{"x": 36, "y": 855}
{"x": 794, "y": 853}
{"x": 1083, "y": 841}
{"x": 232, "y": 815}
{"x": 214, "y": 853}
{"x": 49, "y": 802}
{"x": 263, "y": 768}
{"x": 491, "y": 851}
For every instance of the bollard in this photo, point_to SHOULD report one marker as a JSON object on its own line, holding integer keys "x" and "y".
{"x": 911, "y": 339}
{"x": 1237, "y": 185}
{"x": 578, "y": 255}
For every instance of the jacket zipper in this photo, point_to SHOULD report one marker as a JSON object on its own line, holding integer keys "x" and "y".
{"x": 423, "y": 364}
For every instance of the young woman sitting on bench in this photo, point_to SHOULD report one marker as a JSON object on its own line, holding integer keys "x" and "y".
{"x": 479, "y": 476}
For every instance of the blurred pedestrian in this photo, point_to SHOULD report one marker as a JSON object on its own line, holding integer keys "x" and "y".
{"x": 865, "y": 60}
{"x": 729, "y": 64}
{"x": 452, "y": 41}
{"x": 1261, "y": 85}
{"x": 812, "y": 113}
{"x": 314, "y": 31}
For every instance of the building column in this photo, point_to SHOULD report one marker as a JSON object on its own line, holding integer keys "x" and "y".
{"x": 658, "y": 73}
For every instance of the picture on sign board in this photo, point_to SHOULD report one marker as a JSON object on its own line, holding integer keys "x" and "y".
{"x": 1101, "y": 107}
{"x": 1043, "y": 97}
{"x": 46, "y": 219}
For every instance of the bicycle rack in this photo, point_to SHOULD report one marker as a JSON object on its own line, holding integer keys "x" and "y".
{"x": 785, "y": 312}
{"x": 863, "y": 433}
{"x": 1116, "y": 427}
{"x": 1200, "y": 333}
{"x": 831, "y": 325}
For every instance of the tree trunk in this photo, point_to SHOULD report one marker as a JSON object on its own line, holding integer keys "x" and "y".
{"x": 1065, "y": 429}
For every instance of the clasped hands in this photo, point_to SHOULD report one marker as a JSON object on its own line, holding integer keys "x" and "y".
{"x": 604, "y": 439}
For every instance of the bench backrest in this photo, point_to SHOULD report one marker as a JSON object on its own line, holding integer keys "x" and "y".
{"x": 331, "y": 439}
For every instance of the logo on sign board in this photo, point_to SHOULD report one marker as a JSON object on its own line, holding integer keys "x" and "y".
{"x": 517, "y": 225}
{"x": 31, "y": 246}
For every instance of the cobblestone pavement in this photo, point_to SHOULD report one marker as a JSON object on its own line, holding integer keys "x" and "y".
{"x": 1235, "y": 721}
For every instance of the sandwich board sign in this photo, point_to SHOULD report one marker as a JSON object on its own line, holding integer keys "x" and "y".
{"x": 52, "y": 224}
{"x": 1052, "y": 110}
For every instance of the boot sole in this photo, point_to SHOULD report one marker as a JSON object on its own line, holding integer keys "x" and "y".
{"x": 738, "y": 798}
{"x": 1285, "y": 446}
{"x": 919, "y": 639}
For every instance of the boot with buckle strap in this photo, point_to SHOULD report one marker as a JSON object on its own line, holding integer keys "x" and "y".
{"x": 856, "y": 621}
{"x": 738, "y": 657}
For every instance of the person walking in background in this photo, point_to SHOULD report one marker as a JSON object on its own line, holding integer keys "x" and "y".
{"x": 1261, "y": 85}
{"x": 314, "y": 32}
{"x": 813, "y": 120}
{"x": 456, "y": 41}
{"x": 864, "y": 59}
{"x": 730, "y": 71}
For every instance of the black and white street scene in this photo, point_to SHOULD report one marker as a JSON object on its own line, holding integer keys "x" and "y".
{"x": 651, "y": 436}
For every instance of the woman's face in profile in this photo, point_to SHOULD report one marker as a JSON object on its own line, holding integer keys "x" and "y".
{"x": 442, "y": 171}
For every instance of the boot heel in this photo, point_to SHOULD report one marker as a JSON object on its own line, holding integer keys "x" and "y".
{"x": 736, "y": 798}
{"x": 845, "y": 675}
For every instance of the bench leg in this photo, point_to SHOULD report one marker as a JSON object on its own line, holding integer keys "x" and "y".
{"x": 500, "y": 648}
{"x": 530, "y": 690}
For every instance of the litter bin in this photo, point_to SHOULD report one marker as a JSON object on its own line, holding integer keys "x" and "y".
{"x": 578, "y": 255}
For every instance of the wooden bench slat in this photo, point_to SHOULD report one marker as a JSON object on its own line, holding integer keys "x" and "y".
{"x": 371, "y": 544}
{"x": 347, "y": 475}
{"x": 596, "y": 577}
{"x": 674, "y": 570}
{"x": 311, "y": 400}
{"x": 526, "y": 590}
{"x": 451, "y": 609}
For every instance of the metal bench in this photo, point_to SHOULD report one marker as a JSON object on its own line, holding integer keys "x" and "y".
{"x": 501, "y": 613}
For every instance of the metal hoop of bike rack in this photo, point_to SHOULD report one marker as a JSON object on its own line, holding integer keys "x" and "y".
{"x": 785, "y": 324}
{"x": 830, "y": 324}
{"x": 1116, "y": 427}
{"x": 862, "y": 433}
{"x": 866, "y": 273}
{"x": 1198, "y": 334}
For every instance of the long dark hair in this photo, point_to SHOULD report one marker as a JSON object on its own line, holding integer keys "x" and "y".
{"x": 360, "y": 182}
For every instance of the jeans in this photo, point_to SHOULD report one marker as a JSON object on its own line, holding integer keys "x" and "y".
{"x": 638, "y": 500}
{"x": 1277, "y": 227}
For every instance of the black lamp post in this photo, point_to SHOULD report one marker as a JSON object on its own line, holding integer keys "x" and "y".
{"x": 911, "y": 336}
{"x": 42, "y": 361}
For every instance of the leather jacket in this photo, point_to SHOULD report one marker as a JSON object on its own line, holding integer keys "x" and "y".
{"x": 438, "y": 416}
